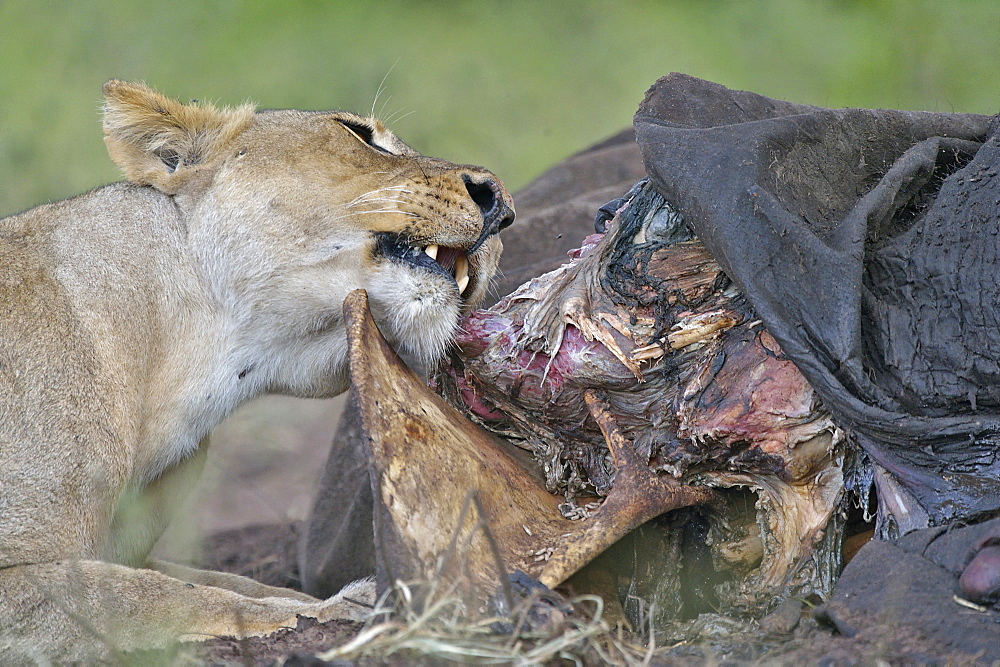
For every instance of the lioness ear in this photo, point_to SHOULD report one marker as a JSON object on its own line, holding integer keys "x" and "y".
{"x": 160, "y": 142}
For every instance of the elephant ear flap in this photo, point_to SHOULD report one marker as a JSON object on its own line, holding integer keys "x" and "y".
{"x": 158, "y": 141}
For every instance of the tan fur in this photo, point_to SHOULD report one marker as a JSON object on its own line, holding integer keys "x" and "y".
{"x": 135, "y": 317}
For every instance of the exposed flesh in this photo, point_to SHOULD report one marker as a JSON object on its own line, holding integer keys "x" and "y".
{"x": 698, "y": 387}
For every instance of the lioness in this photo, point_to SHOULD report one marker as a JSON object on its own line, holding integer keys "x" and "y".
{"x": 137, "y": 316}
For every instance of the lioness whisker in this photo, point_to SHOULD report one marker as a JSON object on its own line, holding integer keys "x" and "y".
{"x": 371, "y": 196}
{"x": 384, "y": 210}
{"x": 401, "y": 197}
{"x": 381, "y": 87}
{"x": 381, "y": 109}
{"x": 366, "y": 195}
{"x": 394, "y": 119}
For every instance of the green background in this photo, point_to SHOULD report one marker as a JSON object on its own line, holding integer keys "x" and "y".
{"x": 514, "y": 86}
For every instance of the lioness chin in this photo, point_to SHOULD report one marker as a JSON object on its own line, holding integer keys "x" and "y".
{"x": 137, "y": 316}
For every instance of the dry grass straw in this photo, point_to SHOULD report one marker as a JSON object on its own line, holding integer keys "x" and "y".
{"x": 430, "y": 621}
{"x": 441, "y": 629}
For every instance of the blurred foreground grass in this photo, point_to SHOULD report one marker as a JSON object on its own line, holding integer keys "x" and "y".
{"x": 514, "y": 86}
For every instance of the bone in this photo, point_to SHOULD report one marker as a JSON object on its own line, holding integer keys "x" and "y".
{"x": 695, "y": 384}
{"x": 426, "y": 457}
{"x": 461, "y": 269}
{"x": 638, "y": 495}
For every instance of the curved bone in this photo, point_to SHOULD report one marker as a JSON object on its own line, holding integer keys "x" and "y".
{"x": 425, "y": 458}
{"x": 639, "y": 494}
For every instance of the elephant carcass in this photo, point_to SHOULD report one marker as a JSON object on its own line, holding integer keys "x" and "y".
{"x": 694, "y": 382}
{"x": 865, "y": 241}
{"x": 637, "y": 379}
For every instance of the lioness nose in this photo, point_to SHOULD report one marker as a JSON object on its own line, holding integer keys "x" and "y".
{"x": 487, "y": 193}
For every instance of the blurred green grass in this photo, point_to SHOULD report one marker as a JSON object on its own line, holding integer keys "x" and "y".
{"x": 514, "y": 86}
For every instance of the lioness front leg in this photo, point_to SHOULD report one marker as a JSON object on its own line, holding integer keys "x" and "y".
{"x": 231, "y": 582}
{"x": 86, "y": 609}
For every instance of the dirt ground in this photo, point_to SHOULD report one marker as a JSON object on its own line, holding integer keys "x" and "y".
{"x": 794, "y": 634}
{"x": 263, "y": 467}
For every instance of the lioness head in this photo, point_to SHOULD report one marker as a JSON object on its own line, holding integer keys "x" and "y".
{"x": 288, "y": 211}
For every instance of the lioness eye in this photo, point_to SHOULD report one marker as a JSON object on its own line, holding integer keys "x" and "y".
{"x": 364, "y": 133}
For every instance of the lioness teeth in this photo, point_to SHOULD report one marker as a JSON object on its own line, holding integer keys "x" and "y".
{"x": 462, "y": 273}
{"x": 432, "y": 251}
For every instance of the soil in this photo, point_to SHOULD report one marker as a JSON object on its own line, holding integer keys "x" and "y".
{"x": 299, "y": 645}
{"x": 898, "y": 631}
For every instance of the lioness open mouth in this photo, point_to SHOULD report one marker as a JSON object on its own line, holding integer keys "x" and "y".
{"x": 448, "y": 261}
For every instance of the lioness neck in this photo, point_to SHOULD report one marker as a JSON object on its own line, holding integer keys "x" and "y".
{"x": 187, "y": 350}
